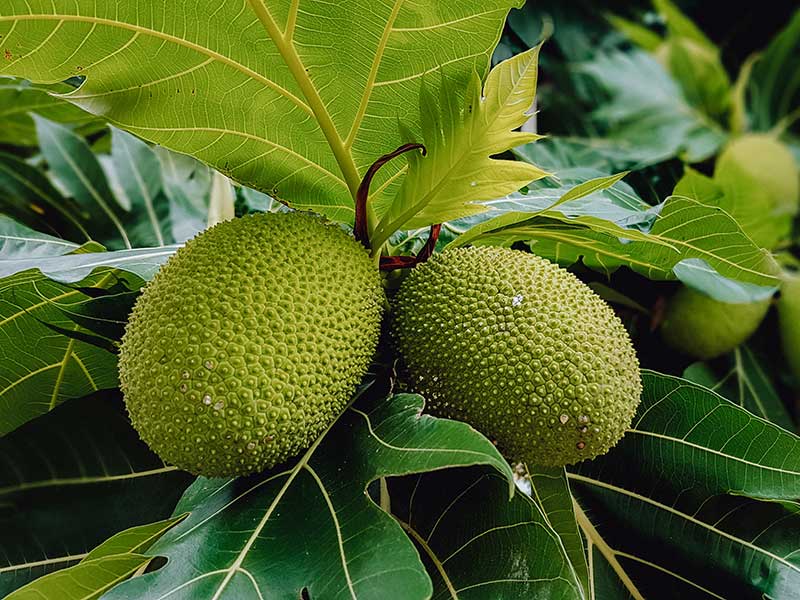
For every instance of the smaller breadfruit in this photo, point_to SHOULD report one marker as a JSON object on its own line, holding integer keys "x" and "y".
{"x": 759, "y": 177}
{"x": 704, "y": 328}
{"x": 789, "y": 320}
{"x": 520, "y": 349}
{"x": 249, "y": 342}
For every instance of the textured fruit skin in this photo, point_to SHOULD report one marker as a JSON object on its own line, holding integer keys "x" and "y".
{"x": 704, "y": 328}
{"x": 249, "y": 342}
{"x": 520, "y": 349}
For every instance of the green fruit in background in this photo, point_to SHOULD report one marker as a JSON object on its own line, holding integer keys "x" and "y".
{"x": 249, "y": 342}
{"x": 520, "y": 349}
{"x": 789, "y": 320}
{"x": 759, "y": 177}
{"x": 704, "y": 328}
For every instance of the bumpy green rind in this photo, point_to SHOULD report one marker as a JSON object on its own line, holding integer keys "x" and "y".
{"x": 520, "y": 349}
{"x": 249, "y": 342}
{"x": 704, "y": 328}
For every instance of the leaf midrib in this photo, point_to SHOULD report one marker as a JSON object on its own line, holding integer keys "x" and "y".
{"x": 681, "y": 515}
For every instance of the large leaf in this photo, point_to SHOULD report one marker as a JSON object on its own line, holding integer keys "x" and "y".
{"x": 27, "y": 195}
{"x": 742, "y": 378}
{"x": 458, "y": 170}
{"x": 110, "y": 563}
{"x": 685, "y": 230}
{"x": 647, "y": 114}
{"x": 249, "y": 87}
{"x": 71, "y": 479}
{"x": 666, "y": 509}
{"x": 18, "y": 99}
{"x": 308, "y": 524}
{"x": 476, "y": 544}
{"x": 38, "y": 368}
{"x": 71, "y": 268}
{"x": 18, "y": 240}
{"x": 773, "y": 88}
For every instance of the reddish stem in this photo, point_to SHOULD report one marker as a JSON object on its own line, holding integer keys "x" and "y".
{"x": 390, "y": 263}
{"x": 360, "y": 231}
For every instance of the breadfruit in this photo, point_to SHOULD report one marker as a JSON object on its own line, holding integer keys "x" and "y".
{"x": 519, "y": 348}
{"x": 249, "y": 342}
{"x": 704, "y": 328}
{"x": 789, "y": 320}
{"x": 759, "y": 177}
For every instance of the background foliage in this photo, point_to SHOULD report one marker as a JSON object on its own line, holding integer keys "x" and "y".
{"x": 107, "y": 167}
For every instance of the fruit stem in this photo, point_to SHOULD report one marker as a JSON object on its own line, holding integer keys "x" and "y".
{"x": 360, "y": 230}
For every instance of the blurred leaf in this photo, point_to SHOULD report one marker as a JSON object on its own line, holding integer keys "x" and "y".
{"x": 71, "y": 268}
{"x": 477, "y": 544}
{"x": 139, "y": 171}
{"x": 71, "y": 479}
{"x": 39, "y": 370}
{"x": 308, "y": 524}
{"x": 647, "y": 115}
{"x": 773, "y": 89}
{"x": 18, "y": 99}
{"x": 638, "y": 34}
{"x": 742, "y": 378}
{"x": 665, "y": 508}
{"x": 685, "y": 230}
{"x": 187, "y": 184}
{"x": 457, "y": 172}
{"x": 18, "y": 240}
{"x": 27, "y": 196}
{"x": 145, "y": 221}
{"x": 252, "y": 91}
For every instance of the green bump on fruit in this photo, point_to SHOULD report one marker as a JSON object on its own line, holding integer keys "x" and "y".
{"x": 249, "y": 342}
{"x": 704, "y": 328}
{"x": 520, "y": 349}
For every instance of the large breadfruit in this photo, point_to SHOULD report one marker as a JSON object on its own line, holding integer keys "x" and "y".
{"x": 520, "y": 349}
{"x": 249, "y": 342}
{"x": 704, "y": 328}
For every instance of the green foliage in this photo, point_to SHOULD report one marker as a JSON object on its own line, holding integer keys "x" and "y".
{"x": 298, "y": 100}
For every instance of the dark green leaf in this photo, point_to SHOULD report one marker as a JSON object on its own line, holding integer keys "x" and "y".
{"x": 308, "y": 524}
{"x": 39, "y": 370}
{"x": 71, "y": 479}
{"x": 476, "y": 544}
{"x": 742, "y": 378}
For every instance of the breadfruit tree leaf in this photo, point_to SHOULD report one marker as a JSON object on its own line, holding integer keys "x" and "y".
{"x": 112, "y": 562}
{"x": 28, "y": 196}
{"x": 475, "y": 543}
{"x": 248, "y": 87}
{"x": 17, "y": 240}
{"x": 457, "y": 171}
{"x": 137, "y": 214}
{"x": 18, "y": 99}
{"x": 550, "y": 490}
{"x": 648, "y": 118}
{"x": 308, "y": 524}
{"x": 685, "y": 230}
{"x": 39, "y": 370}
{"x": 667, "y": 508}
{"x": 772, "y": 93}
{"x": 71, "y": 268}
{"x": 743, "y": 378}
{"x": 71, "y": 479}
